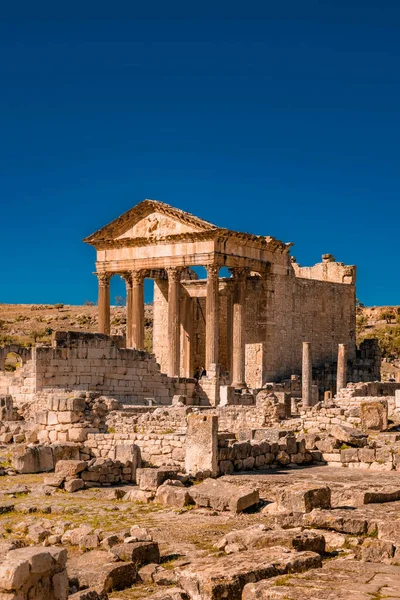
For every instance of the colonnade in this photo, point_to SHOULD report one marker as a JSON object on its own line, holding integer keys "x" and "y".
{"x": 134, "y": 281}
{"x": 306, "y": 375}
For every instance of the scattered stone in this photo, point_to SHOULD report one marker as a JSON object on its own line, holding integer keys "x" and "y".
{"x": 150, "y": 479}
{"x": 374, "y": 415}
{"x": 139, "y": 553}
{"x": 171, "y": 495}
{"x": 220, "y": 496}
{"x": 68, "y": 469}
{"x": 225, "y": 577}
{"x": 99, "y": 570}
{"x": 258, "y": 536}
{"x": 349, "y": 435}
{"x": 303, "y": 498}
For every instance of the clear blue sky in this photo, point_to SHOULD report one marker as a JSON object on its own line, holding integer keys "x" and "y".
{"x": 276, "y": 118}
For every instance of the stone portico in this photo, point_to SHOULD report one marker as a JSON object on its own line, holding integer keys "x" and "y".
{"x": 249, "y": 325}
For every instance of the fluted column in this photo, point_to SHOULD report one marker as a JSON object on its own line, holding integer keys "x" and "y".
{"x": 174, "y": 277}
{"x": 104, "y": 303}
{"x": 137, "y": 310}
{"x": 306, "y": 377}
{"x": 341, "y": 380}
{"x": 239, "y": 328}
{"x": 212, "y": 315}
{"x": 127, "y": 277}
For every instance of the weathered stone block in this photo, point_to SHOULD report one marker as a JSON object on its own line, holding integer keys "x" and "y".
{"x": 33, "y": 459}
{"x": 214, "y": 579}
{"x": 171, "y": 495}
{"x": 374, "y": 415}
{"x": 349, "y": 435}
{"x": 150, "y": 479}
{"x": 303, "y": 498}
{"x": 70, "y": 468}
{"x": 202, "y": 444}
{"x": 140, "y": 553}
{"x": 220, "y": 495}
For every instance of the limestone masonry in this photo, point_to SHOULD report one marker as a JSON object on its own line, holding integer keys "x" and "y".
{"x": 254, "y": 456}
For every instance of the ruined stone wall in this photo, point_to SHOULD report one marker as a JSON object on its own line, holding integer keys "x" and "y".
{"x": 263, "y": 454}
{"x": 321, "y": 312}
{"x": 95, "y": 362}
{"x": 283, "y": 309}
{"x": 156, "y": 449}
{"x": 158, "y": 420}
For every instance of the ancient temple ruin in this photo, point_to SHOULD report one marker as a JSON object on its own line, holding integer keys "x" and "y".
{"x": 244, "y": 324}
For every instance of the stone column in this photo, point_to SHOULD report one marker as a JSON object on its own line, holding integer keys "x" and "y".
{"x": 174, "y": 288}
{"x": 212, "y": 315}
{"x": 239, "y": 328}
{"x": 137, "y": 310}
{"x": 341, "y": 380}
{"x": 187, "y": 335}
{"x": 306, "y": 377}
{"x": 127, "y": 277}
{"x": 104, "y": 303}
{"x": 229, "y": 329}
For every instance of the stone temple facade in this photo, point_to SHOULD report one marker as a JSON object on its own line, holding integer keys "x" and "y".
{"x": 244, "y": 329}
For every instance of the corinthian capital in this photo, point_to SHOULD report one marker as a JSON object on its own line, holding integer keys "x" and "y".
{"x": 127, "y": 277}
{"x": 212, "y": 271}
{"x": 137, "y": 276}
{"x": 174, "y": 273}
{"x": 104, "y": 278}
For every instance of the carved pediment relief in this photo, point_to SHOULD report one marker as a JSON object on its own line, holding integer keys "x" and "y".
{"x": 157, "y": 224}
{"x": 150, "y": 219}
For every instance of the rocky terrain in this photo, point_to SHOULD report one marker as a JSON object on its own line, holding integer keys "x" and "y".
{"x": 123, "y": 549}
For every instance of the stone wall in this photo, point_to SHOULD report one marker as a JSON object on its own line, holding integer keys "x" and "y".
{"x": 23, "y": 352}
{"x": 263, "y": 454}
{"x": 157, "y": 420}
{"x": 156, "y": 449}
{"x": 283, "y": 308}
{"x": 95, "y": 362}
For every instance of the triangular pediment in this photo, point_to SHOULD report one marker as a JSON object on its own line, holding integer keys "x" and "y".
{"x": 150, "y": 219}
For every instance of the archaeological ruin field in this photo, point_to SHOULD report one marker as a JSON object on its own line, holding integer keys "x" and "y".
{"x": 236, "y": 439}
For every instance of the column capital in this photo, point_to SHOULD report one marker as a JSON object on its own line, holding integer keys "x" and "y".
{"x": 212, "y": 271}
{"x": 127, "y": 277}
{"x": 240, "y": 273}
{"x": 174, "y": 273}
{"x": 104, "y": 278}
{"x": 137, "y": 276}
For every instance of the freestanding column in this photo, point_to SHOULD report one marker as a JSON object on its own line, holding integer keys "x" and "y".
{"x": 137, "y": 310}
{"x": 306, "y": 377}
{"x": 104, "y": 302}
{"x": 341, "y": 380}
{"x": 128, "y": 333}
{"x": 174, "y": 276}
{"x": 239, "y": 328}
{"x": 212, "y": 315}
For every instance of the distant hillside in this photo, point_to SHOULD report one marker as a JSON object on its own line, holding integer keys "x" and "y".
{"x": 29, "y": 323}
